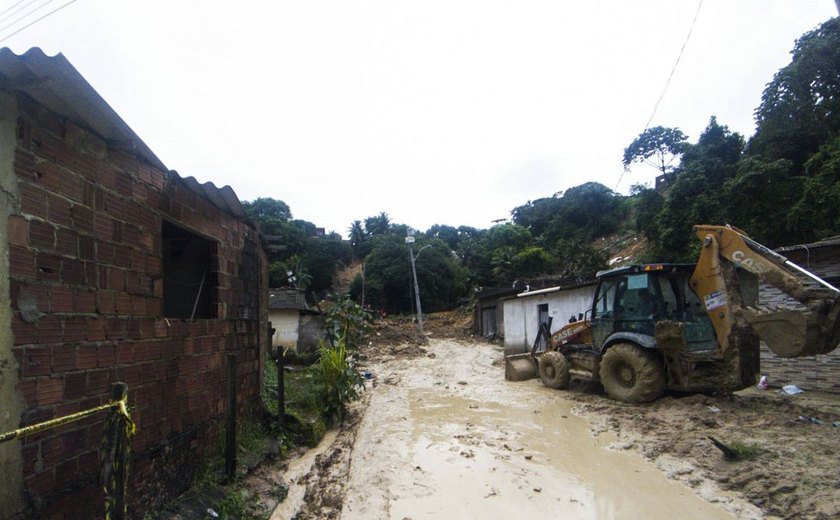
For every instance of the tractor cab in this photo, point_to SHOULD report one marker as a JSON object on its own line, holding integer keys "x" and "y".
{"x": 630, "y": 300}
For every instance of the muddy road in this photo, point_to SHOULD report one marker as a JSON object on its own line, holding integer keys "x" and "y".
{"x": 445, "y": 436}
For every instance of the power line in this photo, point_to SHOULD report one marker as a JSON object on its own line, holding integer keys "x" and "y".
{"x": 11, "y": 7}
{"x": 19, "y": 9}
{"x": 674, "y": 69}
{"x": 668, "y": 82}
{"x": 30, "y": 24}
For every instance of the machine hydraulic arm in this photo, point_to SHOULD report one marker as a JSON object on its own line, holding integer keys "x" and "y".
{"x": 805, "y": 329}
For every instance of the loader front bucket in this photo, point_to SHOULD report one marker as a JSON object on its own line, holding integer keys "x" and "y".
{"x": 790, "y": 333}
{"x": 520, "y": 367}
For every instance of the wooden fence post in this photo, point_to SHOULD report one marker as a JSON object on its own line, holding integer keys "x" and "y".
{"x": 281, "y": 391}
{"x": 230, "y": 438}
{"x": 116, "y": 457}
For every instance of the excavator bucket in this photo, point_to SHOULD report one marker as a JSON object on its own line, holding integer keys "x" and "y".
{"x": 791, "y": 333}
{"x": 520, "y": 367}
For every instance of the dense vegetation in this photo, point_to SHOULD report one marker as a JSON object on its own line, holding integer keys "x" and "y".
{"x": 782, "y": 186}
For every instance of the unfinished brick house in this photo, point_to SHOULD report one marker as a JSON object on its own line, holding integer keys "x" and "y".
{"x": 112, "y": 268}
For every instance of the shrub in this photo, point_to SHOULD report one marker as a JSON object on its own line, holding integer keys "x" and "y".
{"x": 346, "y": 322}
{"x": 337, "y": 379}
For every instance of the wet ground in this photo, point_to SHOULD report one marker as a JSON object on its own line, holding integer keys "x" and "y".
{"x": 439, "y": 433}
{"x": 445, "y": 436}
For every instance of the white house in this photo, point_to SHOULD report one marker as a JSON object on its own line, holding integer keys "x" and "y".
{"x": 524, "y": 312}
{"x": 296, "y": 326}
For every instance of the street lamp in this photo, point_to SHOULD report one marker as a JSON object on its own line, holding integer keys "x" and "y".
{"x": 410, "y": 240}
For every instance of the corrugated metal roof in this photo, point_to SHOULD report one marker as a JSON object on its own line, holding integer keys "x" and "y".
{"x": 54, "y": 83}
{"x": 223, "y": 198}
{"x": 827, "y": 242}
{"x": 287, "y": 299}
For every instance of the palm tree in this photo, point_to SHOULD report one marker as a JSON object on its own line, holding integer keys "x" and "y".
{"x": 378, "y": 225}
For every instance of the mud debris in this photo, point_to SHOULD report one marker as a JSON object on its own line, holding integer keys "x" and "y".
{"x": 794, "y": 477}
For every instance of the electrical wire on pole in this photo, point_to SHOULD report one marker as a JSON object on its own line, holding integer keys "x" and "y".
{"x": 30, "y": 24}
{"x": 670, "y": 76}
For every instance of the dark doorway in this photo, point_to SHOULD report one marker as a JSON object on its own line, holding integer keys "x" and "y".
{"x": 542, "y": 317}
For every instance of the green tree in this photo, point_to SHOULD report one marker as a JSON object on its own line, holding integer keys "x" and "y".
{"x": 538, "y": 214}
{"x": 267, "y": 211}
{"x": 442, "y": 278}
{"x": 311, "y": 259}
{"x": 378, "y": 225}
{"x": 800, "y": 106}
{"x": 358, "y": 239}
{"x": 696, "y": 195}
{"x": 322, "y": 257}
{"x": 771, "y": 191}
{"x": 502, "y": 260}
{"x": 817, "y": 213}
{"x": 576, "y": 258}
{"x": 586, "y": 212}
{"x": 532, "y": 261}
{"x": 388, "y": 280}
{"x": 508, "y": 235}
{"x": 474, "y": 253}
{"x": 658, "y": 146}
{"x": 448, "y": 234}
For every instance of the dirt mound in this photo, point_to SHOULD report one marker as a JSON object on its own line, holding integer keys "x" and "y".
{"x": 344, "y": 277}
{"x": 399, "y": 337}
{"x": 796, "y": 440}
{"x": 622, "y": 248}
{"x": 449, "y": 324}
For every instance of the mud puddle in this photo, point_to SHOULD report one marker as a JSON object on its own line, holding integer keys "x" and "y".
{"x": 448, "y": 437}
{"x": 298, "y": 469}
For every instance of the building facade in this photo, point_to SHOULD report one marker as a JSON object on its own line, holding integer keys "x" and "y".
{"x": 112, "y": 268}
{"x": 524, "y": 312}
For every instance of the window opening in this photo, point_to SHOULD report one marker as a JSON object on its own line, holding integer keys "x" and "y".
{"x": 189, "y": 278}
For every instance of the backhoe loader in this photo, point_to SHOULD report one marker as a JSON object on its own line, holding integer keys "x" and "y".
{"x": 688, "y": 327}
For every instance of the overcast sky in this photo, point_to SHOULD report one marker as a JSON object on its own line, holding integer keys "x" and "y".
{"x": 449, "y": 112}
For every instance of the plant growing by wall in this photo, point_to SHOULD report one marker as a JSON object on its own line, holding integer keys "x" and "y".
{"x": 337, "y": 378}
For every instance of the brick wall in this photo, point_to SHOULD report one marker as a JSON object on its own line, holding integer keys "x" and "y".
{"x": 86, "y": 293}
{"x": 811, "y": 373}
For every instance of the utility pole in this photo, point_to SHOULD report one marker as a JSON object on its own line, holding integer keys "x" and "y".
{"x": 410, "y": 240}
{"x": 363, "y": 276}
{"x": 837, "y": 3}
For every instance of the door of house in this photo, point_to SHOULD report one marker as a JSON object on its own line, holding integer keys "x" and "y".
{"x": 488, "y": 322}
{"x": 542, "y": 317}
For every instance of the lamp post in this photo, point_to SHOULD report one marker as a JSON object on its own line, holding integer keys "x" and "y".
{"x": 410, "y": 240}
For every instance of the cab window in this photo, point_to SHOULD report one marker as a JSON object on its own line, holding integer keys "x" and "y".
{"x": 604, "y": 304}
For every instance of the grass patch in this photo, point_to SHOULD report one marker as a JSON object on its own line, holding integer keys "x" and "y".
{"x": 305, "y": 412}
{"x": 737, "y": 450}
{"x": 742, "y": 451}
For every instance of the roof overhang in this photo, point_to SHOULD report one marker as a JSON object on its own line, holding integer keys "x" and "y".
{"x": 55, "y": 84}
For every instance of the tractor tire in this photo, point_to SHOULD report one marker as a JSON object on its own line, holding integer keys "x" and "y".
{"x": 631, "y": 374}
{"x": 554, "y": 370}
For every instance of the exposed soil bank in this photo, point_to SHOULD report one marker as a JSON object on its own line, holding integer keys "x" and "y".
{"x": 796, "y": 476}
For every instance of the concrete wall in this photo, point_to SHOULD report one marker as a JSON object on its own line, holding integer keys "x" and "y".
{"x": 84, "y": 245}
{"x": 285, "y": 323}
{"x": 11, "y": 402}
{"x": 311, "y": 332}
{"x": 521, "y": 314}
